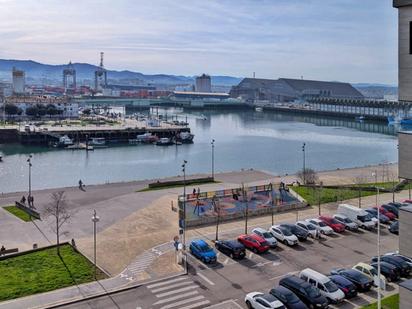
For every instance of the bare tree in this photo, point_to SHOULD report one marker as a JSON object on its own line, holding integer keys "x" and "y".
{"x": 359, "y": 181}
{"x": 58, "y": 210}
{"x": 308, "y": 176}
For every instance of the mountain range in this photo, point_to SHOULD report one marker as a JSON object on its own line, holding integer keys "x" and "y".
{"x": 36, "y": 71}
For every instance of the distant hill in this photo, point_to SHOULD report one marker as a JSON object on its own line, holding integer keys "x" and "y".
{"x": 376, "y": 91}
{"x": 37, "y": 71}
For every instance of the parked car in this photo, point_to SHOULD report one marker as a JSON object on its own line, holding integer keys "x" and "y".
{"x": 394, "y": 227}
{"x": 266, "y": 235}
{"x": 322, "y": 227}
{"x": 309, "y": 227}
{"x": 201, "y": 250}
{"x": 300, "y": 233}
{"x": 392, "y": 209}
{"x": 348, "y": 223}
{"x": 345, "y": 285}
{"x": 382, "y": 210}
{"x": 371, "y": 273}
{"x": 233, "y": 248}
{"x": 284, "y": 235}
{"x": 374, "y": 213}
{"x": 326, "y": 287}
{"x": 398, "y": 204}
{"x": 254, "y": 242}
{"x": 390, "y": 271}
{"x": 257, "y": 300}
{"x": 362, "y": 283}
{"x": 288, "y": 298}
{"x": 357, "y": 215}
{"x": 405, "y": 258}
{"x": 309, "y": 294}
{"x": 336, "y": 226}
{"x": 403, "y": 266}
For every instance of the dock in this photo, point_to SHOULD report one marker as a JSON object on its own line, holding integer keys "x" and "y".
{"x": 121, "y": 132}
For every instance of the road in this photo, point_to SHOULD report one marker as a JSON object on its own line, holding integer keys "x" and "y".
{"x": 230, "y": 279}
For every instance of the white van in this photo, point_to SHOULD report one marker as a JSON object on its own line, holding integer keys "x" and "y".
{"x": 357, "y": 215}
{"x": 326, "y": 287}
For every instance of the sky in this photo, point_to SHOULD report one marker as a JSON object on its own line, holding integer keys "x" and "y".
{"x": 344, "y": 40}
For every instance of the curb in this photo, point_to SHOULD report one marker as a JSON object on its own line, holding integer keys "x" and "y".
{"x": 108, "y": 292}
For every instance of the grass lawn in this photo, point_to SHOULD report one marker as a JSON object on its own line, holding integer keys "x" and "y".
{"x": 391, "y": 302}
{"x": 328, "y": 195}
{"x": 44, "y": 271}
{"x": 177, "y": 186}
{"x": 18, "y": 213}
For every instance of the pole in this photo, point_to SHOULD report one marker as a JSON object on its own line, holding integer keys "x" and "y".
{"x": 379, "y": 255}
{"x": 319, "y": 196}
{"x": 273, "y": 203}
{"x": 213, "y": 159}
{"x": 304, "y": 163}
{"x": 218, "y": 217}
{"x": 95, "y": 219}
{"x": 30, "y": 165}
{"x": 184, "y": 213}
{"x": 247, "y": 207}
{"x": 409, "y": 185}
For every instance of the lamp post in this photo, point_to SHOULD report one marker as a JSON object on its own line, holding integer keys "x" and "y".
{"x": 213, "y": 159}
{"x": 304, "y": 163}
{"x": 217, "y": 208}
{"x": 184, "y": 202}
{"x": 379, "y": 239}
{"x": 95, "y": 219}
{"x": 30, "y": 165}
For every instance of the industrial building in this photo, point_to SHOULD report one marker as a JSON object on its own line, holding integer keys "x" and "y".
{"x": 69, "y": 78}
{"x": 203, "y": 83}
{"x": 19, "y": 81}
{"x": 287, "y": 90}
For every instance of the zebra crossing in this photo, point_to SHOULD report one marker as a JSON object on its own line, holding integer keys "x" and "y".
{"x": 181, "y": 293}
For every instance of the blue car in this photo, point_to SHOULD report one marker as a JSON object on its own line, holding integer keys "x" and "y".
{"x": 201, "y": 250}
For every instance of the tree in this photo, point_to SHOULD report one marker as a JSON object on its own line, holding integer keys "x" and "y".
{"x": 11, "y": 109}
{"x": 58, "y": 210}
{"x": 308, "y": 176}
{"x": 87, "y": 111}
{"x": 32, "y": 111}
{"x": 51, "y": 110}
{"x": 359, "y": 180}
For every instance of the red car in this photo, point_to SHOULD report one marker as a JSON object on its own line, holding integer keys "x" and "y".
{"x": 333, "y": 223}
{"x": 383, "y": 211}
{"x": 254, "y": 242}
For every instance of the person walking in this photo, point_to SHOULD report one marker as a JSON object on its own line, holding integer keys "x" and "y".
{"x": 81, "y": 184}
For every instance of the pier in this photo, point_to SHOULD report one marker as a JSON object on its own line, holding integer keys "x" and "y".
{"x": 45, "y": 134}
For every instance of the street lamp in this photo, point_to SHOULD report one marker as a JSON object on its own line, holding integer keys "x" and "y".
{"x": 213, "y": 159}
{"x": 30, "y": 165}
{"x": 304, "y": 163}
{"x": 379, "y": 239}
{"x": 184, "y": 202}
{"x": 95, "y": 219}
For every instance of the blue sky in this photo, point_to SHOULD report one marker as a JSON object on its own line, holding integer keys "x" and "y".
{"x": 346, "y": 40}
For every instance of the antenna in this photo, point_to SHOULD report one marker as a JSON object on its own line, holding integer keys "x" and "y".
{"x": 253, "y": 74}
{"x": 101, "y": 59}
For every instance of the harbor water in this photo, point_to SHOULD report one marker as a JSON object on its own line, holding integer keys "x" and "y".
{"x": 243, "y": 140}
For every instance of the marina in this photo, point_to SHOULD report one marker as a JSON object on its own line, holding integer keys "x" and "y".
{"x": 244, "y": 140}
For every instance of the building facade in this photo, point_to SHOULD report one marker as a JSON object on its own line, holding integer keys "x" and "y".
{"x": 203, "y": 83}
{"x": 19, "y": 81}
{"x": 404, "y": 49}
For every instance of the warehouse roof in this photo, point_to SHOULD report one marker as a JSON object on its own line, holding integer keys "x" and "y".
{"x": 336, "y": 88}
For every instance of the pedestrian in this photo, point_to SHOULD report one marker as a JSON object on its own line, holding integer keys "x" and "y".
{"x": 194, "y": 191}
{"x": 31, "y": 204}
{"x": 23, "y": 200}
{"x": 198, "y": 192}
{"x": 80, "y": 184}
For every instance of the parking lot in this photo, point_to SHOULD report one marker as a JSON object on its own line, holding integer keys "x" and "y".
{"x": 233, "y": 279}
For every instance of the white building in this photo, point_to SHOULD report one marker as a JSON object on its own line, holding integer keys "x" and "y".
{"x": 203, "y": 83}
{"x": 19, "y": 81}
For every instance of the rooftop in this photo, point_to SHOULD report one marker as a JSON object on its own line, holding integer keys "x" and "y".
{"x": 400, "y": 3}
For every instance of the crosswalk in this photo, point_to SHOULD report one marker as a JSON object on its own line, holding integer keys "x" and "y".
{"x": 139, "y": 265}
{"x": 181, "y": 293}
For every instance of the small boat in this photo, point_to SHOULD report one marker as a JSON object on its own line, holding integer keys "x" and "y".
{"x": 394, "y": 119}
{"x": 164, "y": 141}
{"x": 63, "y": 142}
{"x": 146, "y": 138}
{"x": 97, "y": 141}
{"x": 185, "y": 137}
{"x": 360, "y": 118}
{"x": 80, "y": 146}
{"x": 406, "y": 121}
{"x": 259, "y": 109}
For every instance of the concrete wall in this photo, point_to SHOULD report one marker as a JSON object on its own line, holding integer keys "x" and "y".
{"x": 405, "y": 231}
{"x": 405, "y": 155}
{"x": 405, "y": 58}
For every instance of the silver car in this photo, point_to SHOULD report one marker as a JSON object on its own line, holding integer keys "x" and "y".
{"x": 348, "y": 223}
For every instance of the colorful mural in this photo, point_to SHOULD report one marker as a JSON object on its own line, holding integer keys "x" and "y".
{"x": 230, "y": 201}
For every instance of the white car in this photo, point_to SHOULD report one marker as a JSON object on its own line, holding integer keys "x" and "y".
{"x": 321, "y": 226}
{"x": 309, "y": 227}
{"x": 284, "y": 235}
{"x": 266, "y": 235}
{"x": 348, "y": 223}
{"x": 258, "y": 300}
